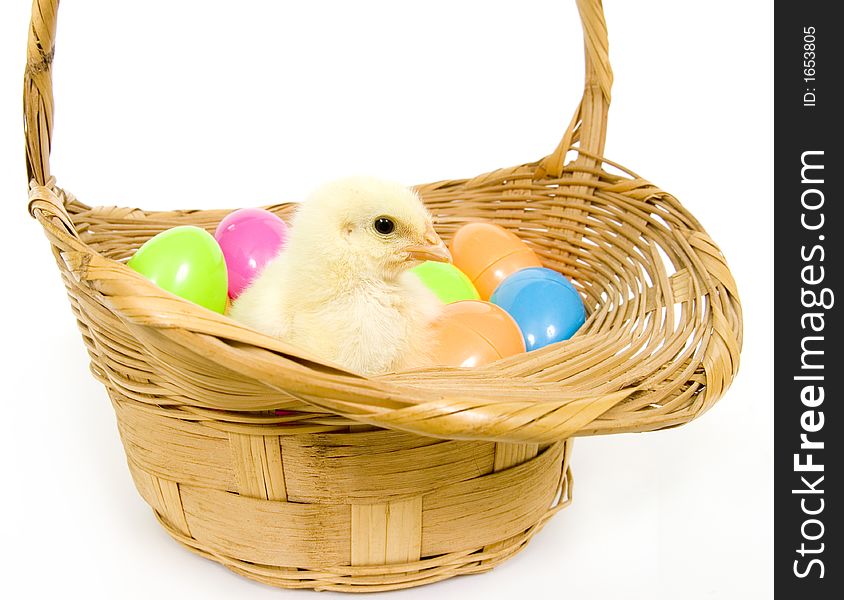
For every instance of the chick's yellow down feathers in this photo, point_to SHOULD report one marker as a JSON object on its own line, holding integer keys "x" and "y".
{"x": 341, "y": 289}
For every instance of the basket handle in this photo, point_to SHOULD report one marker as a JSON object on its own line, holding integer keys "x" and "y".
{"x": 588, "y": 125}
{"x": 38, "y": 89}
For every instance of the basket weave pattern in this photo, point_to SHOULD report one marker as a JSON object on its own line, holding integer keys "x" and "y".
{"x": 379, "y": 483}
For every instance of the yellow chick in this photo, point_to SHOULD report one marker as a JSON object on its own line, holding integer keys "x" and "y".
{"x": 341, "y": 288}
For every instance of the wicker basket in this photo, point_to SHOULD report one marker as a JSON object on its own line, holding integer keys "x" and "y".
{"x": 379, "y": 483}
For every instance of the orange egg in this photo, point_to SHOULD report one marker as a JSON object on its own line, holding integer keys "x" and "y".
{"x": 471, "y": 333}
{"x": 487, "y": 254}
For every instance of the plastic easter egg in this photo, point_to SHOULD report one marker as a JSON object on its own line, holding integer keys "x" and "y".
{"x": 250, "y": 238}
{"x": 544, "y": 303}
{"x": 188, "y": 262}
{"x": 471, "y": 333}
{"x": 448, "y": 282}
{"x": 488, "y": 254}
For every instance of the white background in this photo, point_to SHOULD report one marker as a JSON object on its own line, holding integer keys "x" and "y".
{"x": 182, "y": 103}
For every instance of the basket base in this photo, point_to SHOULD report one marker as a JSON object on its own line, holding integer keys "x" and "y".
{"x": 342, "y": 510}
{"x": 381, "y": 578}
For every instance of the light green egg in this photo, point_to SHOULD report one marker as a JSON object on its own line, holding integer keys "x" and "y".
{"x": 448, "y": 282}
{"x": 188, "y": 262}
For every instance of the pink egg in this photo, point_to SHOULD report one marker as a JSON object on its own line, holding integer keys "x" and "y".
{"x": 249, "y": 238}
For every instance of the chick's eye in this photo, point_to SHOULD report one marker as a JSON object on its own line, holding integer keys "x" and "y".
{"x": 384, "y": 226}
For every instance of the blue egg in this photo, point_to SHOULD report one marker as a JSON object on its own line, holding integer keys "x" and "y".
{"x": 544, "y": 303}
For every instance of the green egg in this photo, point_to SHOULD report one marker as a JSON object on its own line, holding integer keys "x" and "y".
{"x": 448, "y": 282}
{"x": 188, "y": 262}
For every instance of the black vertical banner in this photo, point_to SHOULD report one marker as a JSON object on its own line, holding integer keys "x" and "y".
{"x": 808, "y": 111}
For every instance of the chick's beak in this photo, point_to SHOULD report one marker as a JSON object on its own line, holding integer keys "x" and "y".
{"x": 433, "y": 249}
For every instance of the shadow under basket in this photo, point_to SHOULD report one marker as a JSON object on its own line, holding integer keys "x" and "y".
{"x": 299, "y": 474}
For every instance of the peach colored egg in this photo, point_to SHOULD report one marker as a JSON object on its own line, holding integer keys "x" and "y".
{"x": 472, "y": 333}
{"x": 488, "y": 254}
